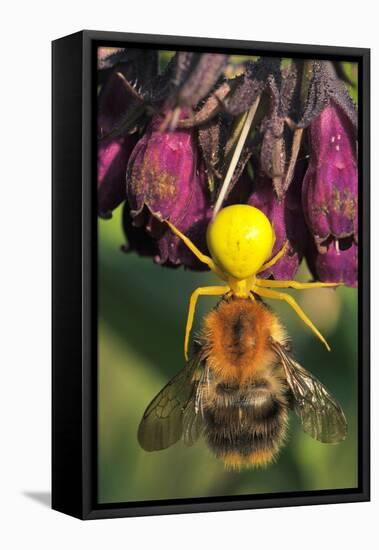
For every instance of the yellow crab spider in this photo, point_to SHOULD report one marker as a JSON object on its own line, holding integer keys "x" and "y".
{"x": 240, "y": 239}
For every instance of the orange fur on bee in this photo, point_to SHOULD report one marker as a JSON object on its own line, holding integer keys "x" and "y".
{"x": 237, "y": 335}
{"x": 257, "y": 459}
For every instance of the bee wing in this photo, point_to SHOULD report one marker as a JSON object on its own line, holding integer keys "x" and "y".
{"x": 171, "y": 414}
{"x": 193, "y": 424}
{"x": 321, "y": 415}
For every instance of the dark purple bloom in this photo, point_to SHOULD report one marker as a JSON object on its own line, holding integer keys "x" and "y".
{"x": 113, "y": 101}
{"x": 112, "y": 160}
{"x": 112, "y": 152}
{"x": 288, "y": 221}
{"x": 167, "y": 181}
{"x": 337, "y": 264}
{"x": 138, "y": 240}
{"x": 330, "y": 196}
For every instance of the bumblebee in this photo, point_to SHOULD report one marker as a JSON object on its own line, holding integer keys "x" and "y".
{"x": 242, "y": 380}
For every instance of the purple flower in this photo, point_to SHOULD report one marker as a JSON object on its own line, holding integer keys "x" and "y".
{"x": 113, "y": 101}
{"x": 166, "y": 181}
{"x": 288, "y": 221}
{"x": 112, "y": 159}
{"x": 138, "y": 240}
{"x": 330, "y": 197}
{"x": 338, "y": 263}
{"x": 112, "y": 152}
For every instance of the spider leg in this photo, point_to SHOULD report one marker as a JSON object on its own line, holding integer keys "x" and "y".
{"x": 201, "y": 291}
{"x": 266, "y": 293}
{"x": 294, "y": 284}
{"x": 275, "y": 258}
{"x": 199, "y": 255}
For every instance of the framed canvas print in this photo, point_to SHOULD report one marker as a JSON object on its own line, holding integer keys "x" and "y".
{"x": 210, "y": 275}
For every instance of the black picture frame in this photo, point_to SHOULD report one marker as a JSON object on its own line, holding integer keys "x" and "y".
{"x": 74, "y": 273}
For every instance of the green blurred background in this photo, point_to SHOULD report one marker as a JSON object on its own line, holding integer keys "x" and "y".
{"x": 142, "y": 313}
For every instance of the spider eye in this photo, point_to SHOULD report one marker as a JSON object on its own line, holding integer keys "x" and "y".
{"x": 240, "y": 240}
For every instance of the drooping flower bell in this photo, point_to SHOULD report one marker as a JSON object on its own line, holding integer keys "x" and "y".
{"x": 137, "y": 239}
{"x": 112, "y": 160}
{"x": 287, "y": 219}
{"x": 113, "y": 152}
{"x": 166, "y": 181}
{"x": 330, "y": 197}
{"x": 337, "y": 264}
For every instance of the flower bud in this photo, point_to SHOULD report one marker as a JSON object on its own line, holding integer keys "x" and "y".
{"x": 166, "y": 179}
{"x": 330, "y": 196}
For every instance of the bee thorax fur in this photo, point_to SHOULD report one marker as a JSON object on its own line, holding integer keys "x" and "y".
{"x": 236, "y": 337}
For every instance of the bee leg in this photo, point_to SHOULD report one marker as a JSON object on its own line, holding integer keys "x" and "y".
{"x": 294, "y": 284}
{"x": 199, "y": 255}
{"x": 201, "y": 291}
{"x": 275, "y": 258}
{"x": 267, "y": 293}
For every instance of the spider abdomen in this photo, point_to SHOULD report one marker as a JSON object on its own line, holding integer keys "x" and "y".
{"x": 240, "y": 240}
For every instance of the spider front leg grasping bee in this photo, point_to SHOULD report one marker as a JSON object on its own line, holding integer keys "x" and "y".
{"x": 240, "y": 240}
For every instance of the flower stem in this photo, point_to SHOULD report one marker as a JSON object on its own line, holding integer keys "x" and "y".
{"x": 236, "y": 155}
